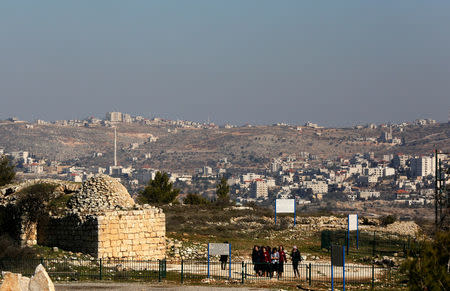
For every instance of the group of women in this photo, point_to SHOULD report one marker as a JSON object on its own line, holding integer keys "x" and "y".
{"x": 267, "y": 260}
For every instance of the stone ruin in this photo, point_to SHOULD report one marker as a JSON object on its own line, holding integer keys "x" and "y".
{"x": 100, "y": 219}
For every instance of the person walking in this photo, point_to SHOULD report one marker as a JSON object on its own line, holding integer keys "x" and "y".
{"x": 275, "y": 259}
{"x": 296, "y": 258}
{"x": 223, "y": 260}
{"x": 281, "y": 262}
{"x": 266, "y": 262}
{"x": 255, "y": 259}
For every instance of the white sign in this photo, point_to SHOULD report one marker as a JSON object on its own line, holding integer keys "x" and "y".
{"x": 285, "y": 206}
{"x": 216, "y": 249}
{"x": 353, "y": 222}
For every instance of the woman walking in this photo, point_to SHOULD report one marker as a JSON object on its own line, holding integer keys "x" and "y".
{"x": 275, "y": 257}
{"x": 255, "y": 259}
{"x": 281, "y": 262}
{"x": 266, "y": 262}
{"x": 296, "y": 258}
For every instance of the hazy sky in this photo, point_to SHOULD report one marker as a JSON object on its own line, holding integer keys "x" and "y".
{"x": 331, "y": 62}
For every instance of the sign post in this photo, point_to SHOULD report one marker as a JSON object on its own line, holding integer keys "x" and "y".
{"x": 337, "y": 259}
{"x": 219, "y": 249}
{"x": 285, "y": 206}
{"x": 352, "y": 224}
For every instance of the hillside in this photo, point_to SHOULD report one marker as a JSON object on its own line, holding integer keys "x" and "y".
{"x": 187, "y": 149}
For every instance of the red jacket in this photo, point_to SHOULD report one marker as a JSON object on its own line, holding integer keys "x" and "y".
{"x": 266, "y": 257}
{"x": 282, "y": 256}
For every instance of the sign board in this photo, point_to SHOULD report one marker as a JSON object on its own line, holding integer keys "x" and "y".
{"x": 352, "y": 222}
{"x": 217, "y": 249}
{"x": 285, "y": 206}
{"x": 337, "y": 255}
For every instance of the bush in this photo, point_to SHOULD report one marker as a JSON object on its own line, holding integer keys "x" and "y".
{"x": 389, "y": 219}
{"x": 7, "y": 173}
{"x": 195, "y": 199}
{"x": 34, "y": 200}
{"x": 427, "y": 267}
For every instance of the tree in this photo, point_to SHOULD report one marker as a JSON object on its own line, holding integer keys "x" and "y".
{"x": 427, "y": 267}
{"x": 195, "y": 199}
{"x": 34, "y": 200}
{"x": 222, "y": 190}
{"x": 7, "y": 173}
{"x": 159, "y": 190}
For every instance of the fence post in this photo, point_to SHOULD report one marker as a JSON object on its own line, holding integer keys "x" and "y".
{"x": 159, "y": 270}
{"x": 373, "y": 244}
{"x": 243, "y": 273}
{"x": 373, "y": 275}
{"x": 245, "y": 270}
{"x": 309, "y": 274}
{"x": 182, "y": 270}
{"x": 100, "y": 270}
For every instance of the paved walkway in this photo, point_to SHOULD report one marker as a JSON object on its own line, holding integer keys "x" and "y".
{"x": 142, "y": 286}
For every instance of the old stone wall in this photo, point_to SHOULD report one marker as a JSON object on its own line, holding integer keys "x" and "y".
{"x": 137, "y": 234}
{"x": 70, "y": 233}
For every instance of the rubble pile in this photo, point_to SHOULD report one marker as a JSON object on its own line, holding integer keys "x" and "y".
{"x": 100, "y": 193}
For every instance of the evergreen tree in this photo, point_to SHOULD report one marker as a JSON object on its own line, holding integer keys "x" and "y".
{"x": 222, "y": 190}
{"x": 159, "y": 191}
{"x": 7, "y": 173}
{"x": 428, "y": 264}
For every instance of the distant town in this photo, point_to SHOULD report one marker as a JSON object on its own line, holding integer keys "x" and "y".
{"x": 404, "y": 179}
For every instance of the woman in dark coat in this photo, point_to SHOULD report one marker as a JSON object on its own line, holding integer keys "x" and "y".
{"x": 296, "y": 258}
{"x": 255, "y": 259}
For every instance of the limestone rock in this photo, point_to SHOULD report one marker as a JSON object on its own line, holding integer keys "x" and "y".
{"x": 14, "y": 282}
{"x": 41, "y": 281}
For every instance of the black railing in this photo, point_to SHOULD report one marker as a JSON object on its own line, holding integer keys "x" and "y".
{"x": 201, "y": 271}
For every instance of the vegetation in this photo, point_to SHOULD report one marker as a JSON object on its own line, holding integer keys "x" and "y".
{"x": 158, "y": 191}
{"x": 427, "y": 267}
{"x": 389, "y": 219}
{"x": 195, "y": 199}
{"x": 34, "y": 200}
{"x": 7, "y": 173}
{"x": 222, "y": 191}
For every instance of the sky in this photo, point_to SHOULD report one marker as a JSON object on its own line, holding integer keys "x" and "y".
{"x": 235, "y": 61}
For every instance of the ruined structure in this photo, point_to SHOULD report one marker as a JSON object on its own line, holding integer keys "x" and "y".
{"x": 99, "y": 218}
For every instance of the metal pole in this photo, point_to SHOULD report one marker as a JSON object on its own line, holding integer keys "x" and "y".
{"x": 332, "y": 277}
{"x": 357, "y": 232}
{"x": 348, "y": 231}
{"x": 373, "y": 275}
{"x": 159, "y": 270}
{"x": 310, "y": 274}
{"x": 100, "y": 270}
{"x": 229, "y": 256}
{"x": 208, "y": 260}
{"x": 275, "y": 211}
{"x": 182, "y": 271}
{"x": 295, "y": 213}
{"x": 435, "y": 189}
{"x": 243, "y": 273}
{"x": 343, "y": 268}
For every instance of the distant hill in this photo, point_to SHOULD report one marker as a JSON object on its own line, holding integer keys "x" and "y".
{"x": 187, "y": 148}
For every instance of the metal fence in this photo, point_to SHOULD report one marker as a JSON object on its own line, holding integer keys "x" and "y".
{"x": 201, "y": 271}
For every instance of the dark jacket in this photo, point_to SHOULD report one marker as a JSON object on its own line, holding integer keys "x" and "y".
{"x": 255, "y": 256}
{"x": 296, "y": 257}
{"x": 223, "y": 258}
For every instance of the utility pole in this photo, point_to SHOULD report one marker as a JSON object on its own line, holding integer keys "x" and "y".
{"x": 441, "y": 196}
{"x": 115, "y": 147}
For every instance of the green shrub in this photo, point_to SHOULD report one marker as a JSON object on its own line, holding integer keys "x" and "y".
{"x": 389, "y": 219}
{"x": 427, "y": 265}
{"x": 195, "y": 199}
